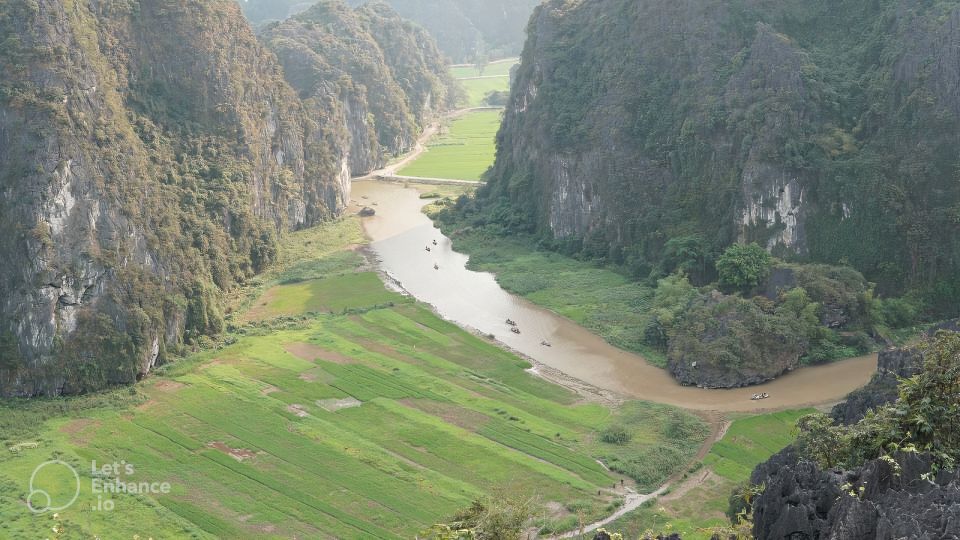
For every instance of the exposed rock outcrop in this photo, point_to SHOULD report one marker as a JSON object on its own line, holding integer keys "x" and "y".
{"x": 729, "y": 342}
{"x": 879, "y": 501}
{"x": 884, "y": 499}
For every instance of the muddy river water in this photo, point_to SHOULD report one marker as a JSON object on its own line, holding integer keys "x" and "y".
{"x": 400, "y": 234}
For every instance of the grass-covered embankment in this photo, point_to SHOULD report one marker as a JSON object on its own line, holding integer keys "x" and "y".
{"x": 600, "y": 299}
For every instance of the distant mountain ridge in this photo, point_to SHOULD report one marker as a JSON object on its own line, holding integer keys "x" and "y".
{"x": 464, "y": 29}
{"x": 384, "y": 75}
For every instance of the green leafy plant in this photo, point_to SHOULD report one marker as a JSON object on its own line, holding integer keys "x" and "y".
{"x": 743, "y": 267}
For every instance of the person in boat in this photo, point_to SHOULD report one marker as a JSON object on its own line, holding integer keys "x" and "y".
{"x": 434, "y": 242}
{"x": 511, "y": 322}
{"x": 427, "y": 248}
{"x": 546, "y": 343}
{"x": 436, "y": 266}
{"x": 515, "y": 330}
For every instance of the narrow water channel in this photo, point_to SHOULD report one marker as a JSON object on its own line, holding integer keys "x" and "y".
{"x": 401, "y": 234}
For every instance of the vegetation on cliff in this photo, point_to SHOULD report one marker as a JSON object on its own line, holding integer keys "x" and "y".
{"x": 893, "y": 472}
{"x": 151, "y": 155}
{"x": 654, "y": 135}
{"x": 799, "y": 314}
{"x": 922, "y": 419}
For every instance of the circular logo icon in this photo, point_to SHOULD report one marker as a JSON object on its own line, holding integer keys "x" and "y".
{"x": 39, "y": 500}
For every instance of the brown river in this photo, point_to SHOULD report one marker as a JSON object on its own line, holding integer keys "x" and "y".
{"x": 400, "y": 232}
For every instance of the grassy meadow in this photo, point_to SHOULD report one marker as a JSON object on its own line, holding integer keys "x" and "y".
{"x": 334, "y": 408}
{"x": 494, "y": 78}
{"x": 463, "y": 151}
{"x": 700, "y": 501}
{"x": 499, "y": 68}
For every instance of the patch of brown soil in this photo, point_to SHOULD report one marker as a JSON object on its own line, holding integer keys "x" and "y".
{"x": 298, "y": 410}
{"x": 261, "y": 308}
{"x": 239, "y": 454}
{"x": 379, "y": 348}
{"x": 77, "y": 430}
{"x": 166, "y": 385}
{"x": 311, "y": 353}
{"x": 464, "y": 418}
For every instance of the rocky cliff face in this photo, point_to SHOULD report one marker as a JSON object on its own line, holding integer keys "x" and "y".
{"x": 882, "y": 500}
{"x": 903, "y": 497}
{"x": 728, "y": 342}
{"x": 151, "y": 152}
{"x": 892, "y": 365}
{"x": 634, "y": 123}
{"x": 379, "y": 75}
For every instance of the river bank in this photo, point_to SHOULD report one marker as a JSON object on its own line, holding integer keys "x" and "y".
{"x": 401, "y": 236}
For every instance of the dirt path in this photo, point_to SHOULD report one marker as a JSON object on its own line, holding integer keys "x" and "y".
{"x": 633, "y": 500}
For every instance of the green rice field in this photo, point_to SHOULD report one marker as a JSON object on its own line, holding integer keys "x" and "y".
{"x": 337, "y": 409}
{"x": 495, "y": 78}
{"x": 464, "y": 151}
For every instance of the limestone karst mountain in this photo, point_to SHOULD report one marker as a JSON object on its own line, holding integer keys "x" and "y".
{"x": 151, "y": 153}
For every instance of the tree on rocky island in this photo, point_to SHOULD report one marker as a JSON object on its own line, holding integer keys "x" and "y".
{"x": 743, "y": 267}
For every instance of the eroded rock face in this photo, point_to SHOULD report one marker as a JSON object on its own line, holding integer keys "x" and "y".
{"x": 881, "y": 499}
{"x": 802, "y": 502}
{"x": 366, "y": 69}
{"x": 892, "y": 365}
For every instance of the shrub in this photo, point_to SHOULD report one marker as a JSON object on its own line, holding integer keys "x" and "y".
{"x": 924, "y": 417}
{"x": 615, "y": 435}
{"x": 743, "y": 267}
